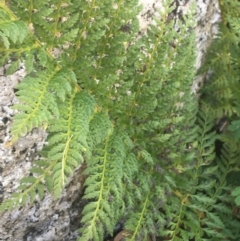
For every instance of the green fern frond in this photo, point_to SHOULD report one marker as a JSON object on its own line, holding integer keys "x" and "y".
{"x": 99, "y": 126}
{"x": 13, "y": 35}
{"x": 145, "y": 219}
{"x": 104, "y": 188}
{"x": 30, "y": 187}
{"x": 206, "y": 147}
{"x": 221, "y": 91}
{"x": 122, "y": 103}
{"x": 71, "y": 129}
{"x": 39, "y": 103}
{"x": 193, "y": 212}
{"x": 11, "y": 29}
{"x": 137, "y": 220}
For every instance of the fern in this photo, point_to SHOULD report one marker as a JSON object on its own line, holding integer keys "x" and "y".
{"x": 195, "y": 210}
{"x": 122, "y": 103}
{"x": 39, "y": 88}
{"x": 105, "y": 188}
{"x": 224, "y": 63}
{"x": 71, "y": 129}
{"x": 9, "y": 25}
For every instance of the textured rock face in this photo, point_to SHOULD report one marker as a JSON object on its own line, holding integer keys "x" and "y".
{"x": 48, "y": 219}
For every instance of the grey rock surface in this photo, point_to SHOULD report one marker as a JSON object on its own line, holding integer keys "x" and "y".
{"x": 49, "y": 219}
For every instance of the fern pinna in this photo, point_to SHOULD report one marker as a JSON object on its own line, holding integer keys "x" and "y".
{"x": 121, "y": 103}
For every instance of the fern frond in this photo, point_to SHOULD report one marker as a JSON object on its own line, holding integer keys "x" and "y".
{"x": 71, "y": 130}
{"x": 11, "y": 29}
{"x": 146, "y": 218}
{"x": 39, "y": 103}
{"x": 206, "y": 148}
{"x": 99, "y": 126}
{"x": 13, "y": 35}
{"x": 104, "y": 188}
{"x": 122, "y": 103}
{"x": 221, "y": 91}
{"x": 137, "y": 221}
{"x": 196, "y": 207}
{"x": 30, "y": 187}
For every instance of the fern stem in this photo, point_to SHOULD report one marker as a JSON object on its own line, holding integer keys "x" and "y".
{"x": 80, "y": 33}
{"x": 54, "y": 31}
{"x": 177, "y": 225}
{"x": 20, "y": 50}
{"x": 102, "y": 183}
{"x": 140, "y": 220}
{"x": 64, "y": 158}
{"x": 7, "y": 10}
{"x": 30, "y": 10}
